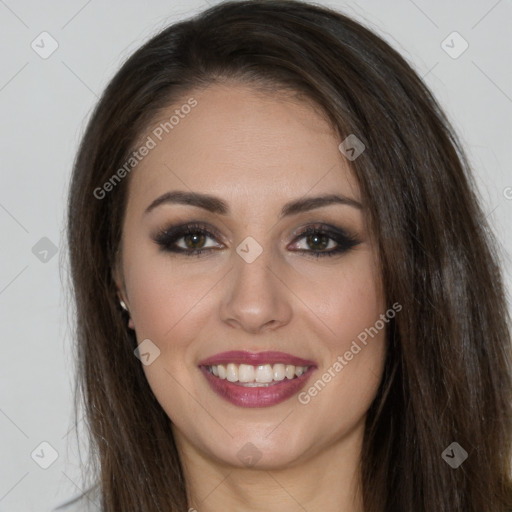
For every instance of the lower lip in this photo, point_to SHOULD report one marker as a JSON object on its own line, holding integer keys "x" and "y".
{"x": 243, "y": 396}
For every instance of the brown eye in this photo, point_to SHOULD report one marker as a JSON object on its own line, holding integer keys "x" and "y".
{"x": 318, "y": 241}
{"x": 189, "y": 239}
{"x": 325, "y": 241}
{"x": 193, "y": 239}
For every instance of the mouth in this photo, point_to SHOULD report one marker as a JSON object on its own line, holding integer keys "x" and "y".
{"x": 260, "y": 379}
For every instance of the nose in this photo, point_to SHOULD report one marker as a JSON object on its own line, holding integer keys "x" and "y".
{"x": 256, "y": 298}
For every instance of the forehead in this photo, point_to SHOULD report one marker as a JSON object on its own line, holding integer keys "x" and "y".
{"x": 243, "y": 145}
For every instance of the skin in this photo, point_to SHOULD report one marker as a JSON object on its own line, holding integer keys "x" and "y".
{"x": 256, "y": 152}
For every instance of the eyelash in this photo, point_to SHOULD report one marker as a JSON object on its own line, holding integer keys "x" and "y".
{"x": 168, "y": 237}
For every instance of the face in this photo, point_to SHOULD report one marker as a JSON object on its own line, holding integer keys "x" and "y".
{"x": 251, "y": 293}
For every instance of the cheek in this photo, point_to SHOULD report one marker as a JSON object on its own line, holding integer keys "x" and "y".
{"x": 354, "y": 308}
{"x": 162, "y": 296}
{"x": 166, "y": 306}
{"x": 350, "y": 307}
{"x": 343, "y": 390}
{"x": 342, "y": 301}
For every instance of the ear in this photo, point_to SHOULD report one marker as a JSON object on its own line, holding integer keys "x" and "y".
{"x": 120, "y": 286}
{"x": 118, "y": 278}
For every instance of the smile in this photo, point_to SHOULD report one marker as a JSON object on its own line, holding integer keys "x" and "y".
{"x": 271, "y": 378}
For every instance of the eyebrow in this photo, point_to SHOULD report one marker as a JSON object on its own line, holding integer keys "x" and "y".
{"x": 216, "y": 205}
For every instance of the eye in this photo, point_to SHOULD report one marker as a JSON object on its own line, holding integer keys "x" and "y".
{"x": 189, "y": 239}
{"x": 324, "y": 240}
{"x": 192, "y": 240}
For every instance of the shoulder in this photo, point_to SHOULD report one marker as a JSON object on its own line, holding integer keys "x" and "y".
{"x": 89, "y": 501}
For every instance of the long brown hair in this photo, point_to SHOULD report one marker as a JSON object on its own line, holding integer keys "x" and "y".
{"x": 447, "y": 375}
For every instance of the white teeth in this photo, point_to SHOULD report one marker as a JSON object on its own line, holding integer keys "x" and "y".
{"x": 279, "y": 372}
{"x": 245, "y": 373}
{"x": 264, "y": 373}
{"x": 251, "y": 376}
{"x": 232, "y": 373}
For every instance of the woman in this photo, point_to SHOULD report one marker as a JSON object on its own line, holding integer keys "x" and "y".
{"x": 287, "y": 295}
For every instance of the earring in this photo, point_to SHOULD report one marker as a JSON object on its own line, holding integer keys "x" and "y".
{"x": 131, "y": 325}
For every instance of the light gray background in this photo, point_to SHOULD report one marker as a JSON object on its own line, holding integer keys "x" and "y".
{"x": 45, "y": 104}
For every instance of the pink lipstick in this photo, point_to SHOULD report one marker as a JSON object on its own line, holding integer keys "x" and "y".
{"x": 262, "y": 379}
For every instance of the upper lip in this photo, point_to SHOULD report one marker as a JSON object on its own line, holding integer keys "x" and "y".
{"x": 255, "y": 358}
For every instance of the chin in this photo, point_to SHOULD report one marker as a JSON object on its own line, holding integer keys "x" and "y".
{"x": 255, "y": 451}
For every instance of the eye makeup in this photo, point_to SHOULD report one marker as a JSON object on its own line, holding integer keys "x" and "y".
{"x": 191, "y": 239}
